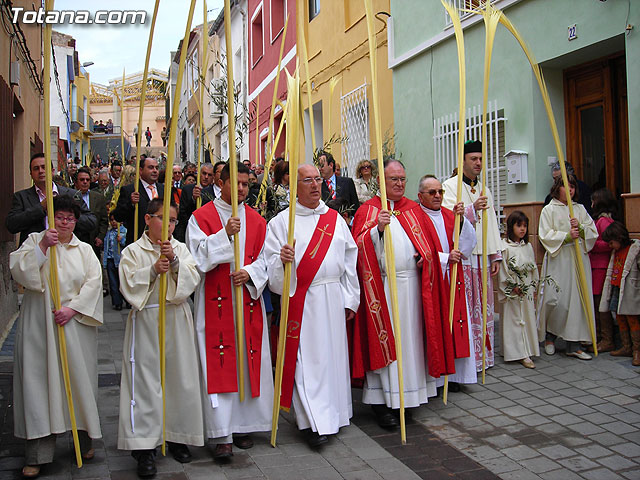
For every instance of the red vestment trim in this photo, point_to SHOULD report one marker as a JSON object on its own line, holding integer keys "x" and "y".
{"x": 220, "y": 338}
{"x": 305, "y": 273}
{"x": 373, "y": 341}
{"x": 460, "y": 327}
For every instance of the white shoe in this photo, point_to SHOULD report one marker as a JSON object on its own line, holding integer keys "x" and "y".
{"x": 549, "y": 348}
{"x": 579, "y": 354}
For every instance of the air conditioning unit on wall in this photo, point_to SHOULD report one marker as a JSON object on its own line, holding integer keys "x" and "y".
{"x": 15, "y": 73}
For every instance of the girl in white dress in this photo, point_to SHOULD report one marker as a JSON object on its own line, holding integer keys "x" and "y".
{"x": 518, "y": 280}
{"x": 561, "y": 311}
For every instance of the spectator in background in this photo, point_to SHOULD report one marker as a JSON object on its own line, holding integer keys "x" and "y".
{"x": 148, "y": 189}
{"x": 259, "y": 170}
{"x": 177, "y": 176}
{"x": 217, "y": 170}
{"x": 70, "y": 177}
{"x": 116, "y": 173}
{"x": 281, "y": 185}
{"x": 28, "y": 211}
{"x": 335, "y": 186}
{"x": 366, "y": 181}
{"x": 109, "y": 126}
{"x": 584, "y": 191}
{"x": 189, "y": 179}
{"x": 189, "y": 197}
{"x": 148, "y": 136}
{"x": 99, "y": 207}
{"x": 163, "y": 135}
{"x": 114, "y": 242}
{"x": 190, "y": 167}
{"x": 605, "y": 210}
{"x": 105, "y": 188}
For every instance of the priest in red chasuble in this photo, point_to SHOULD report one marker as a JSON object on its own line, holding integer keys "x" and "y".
{"x": 427, "y": 346}
{"x": 210, "y": 240}
{"x": 430, "y": 193}
{"x": 324, "y": 295}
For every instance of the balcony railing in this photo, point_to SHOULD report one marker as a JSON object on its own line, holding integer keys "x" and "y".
{"x": 464, "y": 4}
{"x": 79, "y": 116}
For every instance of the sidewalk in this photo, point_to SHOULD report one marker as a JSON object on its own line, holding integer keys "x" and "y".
{"x": 565, "y": 420}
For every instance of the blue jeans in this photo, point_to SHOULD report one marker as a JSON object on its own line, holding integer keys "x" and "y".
{"x": 114, "y": 283}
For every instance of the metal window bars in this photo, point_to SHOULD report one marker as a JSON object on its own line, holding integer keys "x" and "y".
{"x": 354, "y": 113}
{"x": 445, "y": 142}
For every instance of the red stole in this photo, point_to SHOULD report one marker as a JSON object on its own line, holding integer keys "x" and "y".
{"x": 460, "y": 324}
{"x": 220, "y": 338}
{"x": 305, "y": 273}
{"x": 373, "y": 341}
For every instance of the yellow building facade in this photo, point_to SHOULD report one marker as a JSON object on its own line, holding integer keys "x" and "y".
{"x": 337, "y": 43}
{"x": 80, "y": 116}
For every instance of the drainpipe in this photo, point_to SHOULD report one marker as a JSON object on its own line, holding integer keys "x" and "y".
{"x": 245, "y": 71}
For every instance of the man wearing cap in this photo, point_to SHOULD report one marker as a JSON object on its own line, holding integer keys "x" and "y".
{"x": 474, "y": 203}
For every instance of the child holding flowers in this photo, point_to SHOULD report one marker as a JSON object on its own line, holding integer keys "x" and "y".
{"x": 518, "y": 280}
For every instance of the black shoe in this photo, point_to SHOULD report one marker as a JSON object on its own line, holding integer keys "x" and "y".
{"x": 117, "y": 307}
{"x": 242, "y": 441}
{"x": 105, "y": 293}
{"x": 454, "y": 387}
{"x": 127, "y": 305}
{"x": 316, "y": 440}
{"x": 146, "y": 463}
{"x": 385, "y": 417}
{"x": 180, "y": 452}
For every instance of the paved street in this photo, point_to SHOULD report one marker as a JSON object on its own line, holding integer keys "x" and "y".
{"x": 564, "y": 420}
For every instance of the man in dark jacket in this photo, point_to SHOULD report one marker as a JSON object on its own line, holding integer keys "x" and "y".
{"x": 29, "y": 206}
{"x": 335, "y": 186}
{"x": 148, "y": 189}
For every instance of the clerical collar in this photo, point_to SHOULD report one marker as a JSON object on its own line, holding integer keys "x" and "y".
{"x": 468, "y": 181}
{"x": 431, "y": 211}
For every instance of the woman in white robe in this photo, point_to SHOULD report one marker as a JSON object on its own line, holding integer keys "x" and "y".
{"x": 40, "y": 403}
{"x": 561, "y": 312}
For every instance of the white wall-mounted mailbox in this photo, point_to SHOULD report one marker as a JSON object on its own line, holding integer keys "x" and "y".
{"x": 517, "y": 166}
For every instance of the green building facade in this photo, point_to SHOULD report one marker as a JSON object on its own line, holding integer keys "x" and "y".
{"x": 589, "y": 51}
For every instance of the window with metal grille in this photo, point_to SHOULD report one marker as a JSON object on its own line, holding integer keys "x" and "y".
{"x": 445, "y": 148}
{"x": 354, "y": 108}
{"x": 465, "y": 5}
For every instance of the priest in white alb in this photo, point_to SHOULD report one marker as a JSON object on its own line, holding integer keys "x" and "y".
{"x": 324, "y": 296}
{"x": 430, "y": 194}
{"x": 475, "y": 203}
{"x": 427, "y": 346}
{"x": 210, "y": 240}
{"x": 141, "y": 394}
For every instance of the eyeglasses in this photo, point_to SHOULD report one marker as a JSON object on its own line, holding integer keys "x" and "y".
{"x": 365, "y": 167}
{"x": 397, "y": 179}
{"x": 310, "y": 180}
{"x": 434, "y": 191}
{"x": 65, "y": 219}
{"x": 172, "y": 221}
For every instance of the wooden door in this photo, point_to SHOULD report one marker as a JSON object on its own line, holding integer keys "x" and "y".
{"x": 596, "y": 123}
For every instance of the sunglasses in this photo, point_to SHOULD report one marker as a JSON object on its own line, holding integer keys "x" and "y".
{"x": 434, "y": 191}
